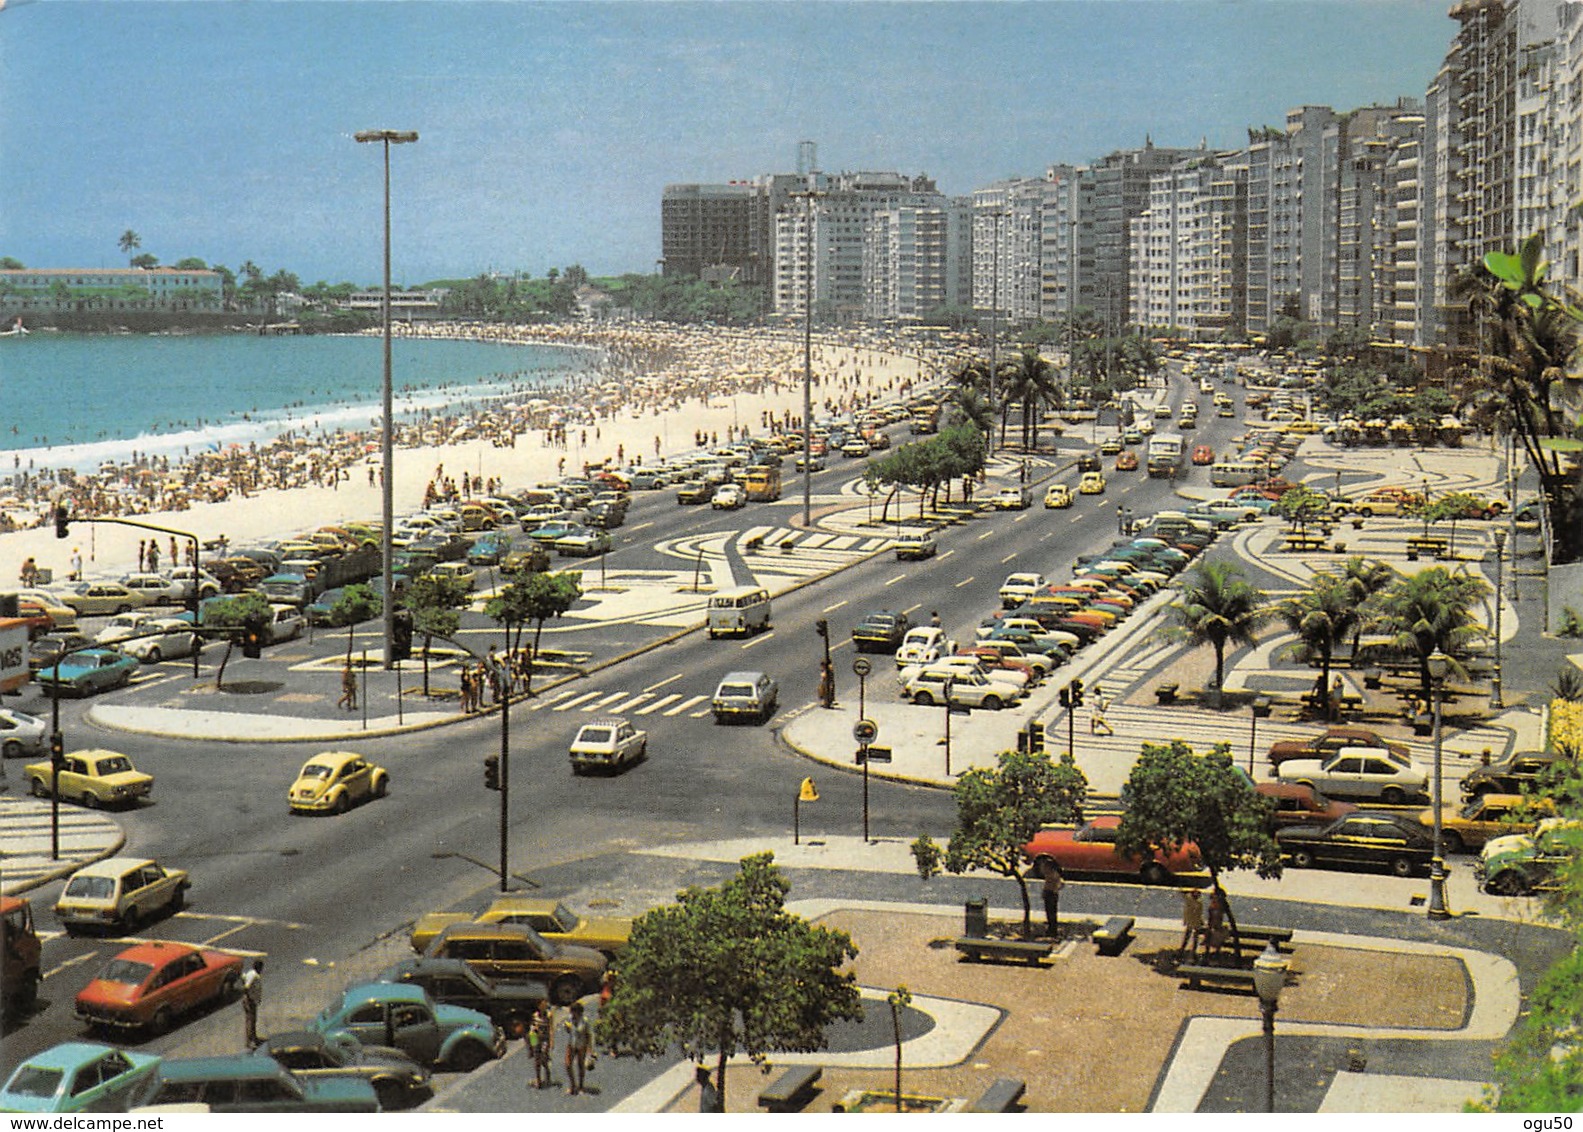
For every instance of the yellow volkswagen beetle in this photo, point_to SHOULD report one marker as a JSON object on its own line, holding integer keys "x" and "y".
{"x": 334, "y": 781}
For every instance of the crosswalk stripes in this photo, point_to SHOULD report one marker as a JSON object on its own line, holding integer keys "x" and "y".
{"x": 650, "y": 709}
{"x": 685, "y": 704}
{"x": 567, "y": 705}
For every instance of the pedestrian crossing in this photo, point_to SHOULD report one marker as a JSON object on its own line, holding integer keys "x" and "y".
{"x": 602, "y": 702}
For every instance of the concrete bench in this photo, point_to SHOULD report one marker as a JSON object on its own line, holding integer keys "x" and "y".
{"x": 1112, "y": 937}
{"x": 792, "y": 1089}
{"x": 1279, "y": 936}
{"x": 1029, "y": 951}
{"x": 1166, "y": 693}
{"x": 1196, "y": 974}
{"x": 1002, "y": 1096}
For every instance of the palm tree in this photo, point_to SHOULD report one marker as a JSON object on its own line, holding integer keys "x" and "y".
{"x": 1322, "y": 616}
{"x": 974, "y": 407}
{"x": 1431, "y": 611}
{"x": 129, "y": 242}
{"x": 1030, "y": 380}
{"x": 1219, "y": 607}
{"x": 1366, "y": 577}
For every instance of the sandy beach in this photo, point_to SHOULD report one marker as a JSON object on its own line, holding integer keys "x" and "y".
{"x": 659, "y": 391}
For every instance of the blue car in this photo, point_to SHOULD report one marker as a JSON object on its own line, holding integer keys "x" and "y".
{"x": 90, "y": 670}
{"x": 79, "y": 1077}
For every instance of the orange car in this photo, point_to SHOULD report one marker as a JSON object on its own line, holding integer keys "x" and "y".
{"x": 150, "y": 985}
{"x": 1127, "y": 461}
{"x": 1203, "y": 454}
{"x": 1091, "y": 848}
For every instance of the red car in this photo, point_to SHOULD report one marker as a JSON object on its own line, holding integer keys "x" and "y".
{"x": 1091, "y": 848}
{"x": 150, "y": 985}
{"x": 1203, "y": 454}
{"x": 1127, "y": 461}
{"x": 991, "y": 658}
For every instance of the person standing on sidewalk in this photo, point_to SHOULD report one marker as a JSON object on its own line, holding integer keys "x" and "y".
{"x": 1097, "y": 720}
{"x": 252, "y": 997}
{"x": 579, "y": 1049}
{"x": 348, "y": 698}
{"x": 541, "y": 1037}
{"x": 1192, "y": 922}
{"x": 76, "y": 564}
{"x": 1053, "y": 883}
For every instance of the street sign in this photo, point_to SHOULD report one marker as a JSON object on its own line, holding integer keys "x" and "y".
{"x": 807, "y": 793}
{"x": 862, "y": 666}
{"x": 865, "y": 730}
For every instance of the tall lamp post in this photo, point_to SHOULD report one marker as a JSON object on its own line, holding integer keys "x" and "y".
{"x": 1269, "y": 976}
{"x": 1500, "y": 597}
{"x": 387, "y": 138}
{"x": 1439, "y": 665}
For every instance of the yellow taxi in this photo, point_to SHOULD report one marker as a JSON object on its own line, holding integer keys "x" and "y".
{"x": 92, "y": 778}
{"x": 334, "y": 781}
{"x": 1058, "y": 495}
{"x": 550, "y": 918}
{"x": 1092, "y": 483}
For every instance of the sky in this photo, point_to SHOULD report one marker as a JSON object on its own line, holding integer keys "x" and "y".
{"x": 548, "y": 131}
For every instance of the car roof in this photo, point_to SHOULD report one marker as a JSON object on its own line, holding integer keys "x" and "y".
{"x": 157, "y": 952}
{"x": 112, "y": 866}
{"x": 385, "y": 992}
{"x": 743, "y": 675}
{"x": 69, "y": 1055}
{"x": 229, "y": 1067}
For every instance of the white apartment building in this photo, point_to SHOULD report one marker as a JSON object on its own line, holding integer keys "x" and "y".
{"x": 1006, "y": 248}
{"x": 1188, "y": 268}
{"x": 916, "y": 261}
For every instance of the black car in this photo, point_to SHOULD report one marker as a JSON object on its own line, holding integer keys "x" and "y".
{"x": 1512, "y": 775}
{"x": 509, "y": 1004}
{"x": 1363, "y": 838}
{"x": 880, "y": 631}
{"x": 605, "y": 516}
{"x": 1090, "y": 462}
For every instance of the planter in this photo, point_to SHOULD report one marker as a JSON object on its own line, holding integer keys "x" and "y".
{"x": 882, "y": 1100}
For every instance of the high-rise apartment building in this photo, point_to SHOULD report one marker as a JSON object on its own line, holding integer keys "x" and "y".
{"x": 1120, "y": 194}
{"x": 917, "y": 261}
{"x": 1189, "y": 260}
{"x": 1007, "y": 237}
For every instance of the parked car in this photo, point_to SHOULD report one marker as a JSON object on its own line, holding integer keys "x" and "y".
{"x": 1014, "y": 683}
{"x": 79, "y": 1077}
{"x": 176, "y": 639}
{"x": 244, "y": 1082}
{"x": 397, "y": 1080}
{"x": 584, "y": 542}
{"x": 489, "y": 548}
{"x": 923, "y": 645}
{"x": 516, "y": 951}
{"x": 550, "y": 918}
{"x": 99, "y": 599}
{"x": 1361, "y": 838}
{"x": 150, "y": 985}
{"x": 915, "y": 545}
{"x": 87, "y": 671}
{"x": 92, "y": 778}
{"x": 880, "y": 631}
{"x": 1301, "y": 805}
{"x": 157, "y": 589}
{"x": 461, "y": 573}
{"x": 1512, "y": 775}
{"x": 284, "y": 624}
{"x": 1484, "y": 817}
{"x": 1522, "y": 864}
{"x": 46, "y": 602}
{"x": 1057, "y": 495}
{"x": 938, "y": 684}
{"x": 123, "y": 625}
{"x": 1010, "y": 652}
{"x": 44, "y": 651}
{"x": 1091, "y": 848}
{"x": 608, "y": 745}
{"x": 1332, "y": 740}
{"x": 21, "y": 734}
{"x": 531, "y": 558}
{"x": 403, "y": 1016}
{"x": 1018, "y": 588}
{"x": 120, "y": 892}
{"x": 745, "y": 695}
{"x": 332, "y": 782}
{"x": 1358, "y": 772}
{"x": 509, "y": 1004}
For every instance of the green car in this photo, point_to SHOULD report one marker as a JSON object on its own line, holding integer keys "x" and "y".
{"x": 1521, "y": 864}
{"x": 79, "y": 1077}
{"x": 406, "y": 1018}
{"x": 489, "y": 549}
{"x": 245, "y": 1082}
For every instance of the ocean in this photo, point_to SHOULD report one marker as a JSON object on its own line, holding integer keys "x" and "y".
{"x": 78, "y": 400}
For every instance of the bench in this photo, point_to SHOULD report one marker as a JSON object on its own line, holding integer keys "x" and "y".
{"x": 1166, "y": 693}
{"x": 1278, "y": 936}
{"x": 976, "y": 948}
{"x": 1427, "y": 544}
{"x": 754, "y": 544}
{"x": 1000, "y": 1097}
{"x": 1112, "y": 937}
{"x": 792, "y": 1089}
{"x": 1302, "y": 543}
{"x": 1196, "y": 973}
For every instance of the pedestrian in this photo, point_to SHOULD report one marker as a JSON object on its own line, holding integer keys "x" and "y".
{"x": 579, "y": 1049}
{"x": 153, "y": 556}
{"x": 541, "y": 1037}
{"x": 708, "y": 1095}
{"x": 1053, "y": 883}
{"x": 29, "y": 573}
{"x": 1097, "y": 720}
{"x": 934, "y": 618}
{"x": 826, "y": 684}
{"x": 1192, "y": 921}
{"x": 142, "y": 555}
{"x": 252, "y": 997}
{"x": 76, "y": 564}
{"x": 348, "y": 698}
{"x": 607, "y": 987}
{"x": 175, "y": 555}
{"x": 1215, "y": 928}
{"x": 467, "y": 688}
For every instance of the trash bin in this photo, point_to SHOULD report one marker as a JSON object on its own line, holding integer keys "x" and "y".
{"x": 1262, "y": 707}
{"x": 46, "y": 576}
{"x": 975, "y": 918}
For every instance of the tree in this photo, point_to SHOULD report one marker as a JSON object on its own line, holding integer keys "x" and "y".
{"x": 1322, "y": 616}
{"x": 1365, "y": 577}
{"x": 728, "y": 969}
{"x": 998, "y": 810}
{"x": 542, "y": 597}
{"x": 1174, "y": 796}
{"x": 898, "y": 1000}
{"x": 1218, "y": 607}
{"x": 356, "y": 603}
{"x": 1303, "y": 505}
{"x": 129, "y": 242}
{"x": 234, "y": 613}
{"x": 433, "y": 603}
{"x": 1455, "y": 505}
{"x": 1431, "y": 611}
{"x": 145, "y": 261}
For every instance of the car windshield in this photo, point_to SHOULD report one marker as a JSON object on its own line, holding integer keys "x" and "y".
{"x": 735, "y": 690}
{"x": 564, "y": 920}
{"x": 118, "y": 765}
{"x": 34, "y": 1081}
{"x": 595, "y": 735}
{"x": 125, "y": 971}
{"x": 317, "y": 770}
{"x": 91, "y": 888}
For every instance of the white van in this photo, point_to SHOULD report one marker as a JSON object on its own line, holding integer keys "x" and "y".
{"x": 740, "y": 611}
{"x": 1235, "y": 473}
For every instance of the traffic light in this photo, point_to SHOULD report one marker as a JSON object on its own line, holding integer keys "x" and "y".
{"x": 400, "y": 635}
{"x": 492, "y": 772}
{"x": 57, "y": 747}
{"x": 62, "y": 521}
{"x": 822, "y": 627}
{"x": 252, "y": 638}
{"x": 1071, "y": 696}
{"x": 1035, "y": 737}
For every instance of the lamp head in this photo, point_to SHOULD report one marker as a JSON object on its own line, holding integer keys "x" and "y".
{"x": 1269, "y": 974}
{"x": 1439, "y": 664}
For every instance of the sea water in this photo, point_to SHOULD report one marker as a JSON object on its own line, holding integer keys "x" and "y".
{"x": 77, "y": 400}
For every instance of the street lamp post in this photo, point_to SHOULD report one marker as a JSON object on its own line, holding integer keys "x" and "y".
{"x": 1499, "y": 597}
{"x": 1269, "y": 976}
{"x": 1439, "y": 664}
{"x": 387, "y": 138}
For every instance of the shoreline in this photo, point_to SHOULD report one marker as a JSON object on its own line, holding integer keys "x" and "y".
{"x": 659, "y": 387}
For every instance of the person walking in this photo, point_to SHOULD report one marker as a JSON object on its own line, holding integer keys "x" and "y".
{"x": 1097, "y": 720}
{"x": 348, "y": 698}
{"x": 541, "y": 1037}
{"x": 29, "y": 575}
{"x": 826, "y": 684}
{"x": 76, "y": 564}
{"x": 579, "y": 1049}
{"x": 1192, "y": 922}
{"x": 252, "y": 997}
{"x": 142, "y": 554}
{"x": 1051, "y": 890}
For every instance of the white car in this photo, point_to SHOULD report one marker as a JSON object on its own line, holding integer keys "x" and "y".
{"x": 814, "y": 463}
{"x": 157, "y": 589}
{"x": 176, "y": 639}
{"x": 124, "y": 625}
{"x": 923, "y": 645}
{"x": 935, "y": 684}
{"x": 1358, "y": 772}
{"x": 1016, "y": 682}
{"x": 21, "y": 734}
{"x": 607, "y": 744}
{"x": 208, "y": 584}
{"x": 727, "y": 497}
{"x": 1018, "y": 588}
{"x": 285, "y": 623}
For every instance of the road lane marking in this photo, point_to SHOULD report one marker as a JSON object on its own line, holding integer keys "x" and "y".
{"x": 757, "y": 641}
{"x": 985, "y": 535}
{"x": 691, "y": 701}
{"x": 662, "y": 683}
{"x": 897, "y": 578}
{"x": 832, "y": 608}
{"x": 969, "y": 580}
{"x": 600, "y": 704}
{"x": 946, "y": 555}
{"x": 659, "y": 703}
{"x": 567, "y": 705}
{"x": 556, "y": 698}
{"x": 624, "y": 708}
{"x": 1008, "y": 558}
{"x": 642, "y": 526}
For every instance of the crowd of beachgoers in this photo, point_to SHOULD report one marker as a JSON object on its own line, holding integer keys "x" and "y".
{"x": 654, "y": 390}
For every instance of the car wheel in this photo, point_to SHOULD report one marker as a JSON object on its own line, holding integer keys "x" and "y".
{"x": 11, "y": 749}
{"x": 566, "y": 990}
{"x": 130, "y": 919}
{"x": 991, "y": 703}
{"x": 120, "y": 609}
{"x": 342, "y": 804}
{"x": 26, "y": 994}
{"x": 1302, "y": 859}
{"x": 924, "y": 699}
{"x": 1155, "y": 873}
{"x": 381, "y": 787}
{"x": 1393, "y": 796}
{"x": 179, "y": 901}
{"x": 392, "y": 1095}
{"x": 89, "y": 800}
{"x": 469, "y": 1056}
{"x": 160, "y": 1023}
{"x": 1402, "y": 866}
{"x": 154, "y": 656}
{"x": 231, "y": 989}
{"x": 40, "y": 788}
{"x": 1452, "y": 840}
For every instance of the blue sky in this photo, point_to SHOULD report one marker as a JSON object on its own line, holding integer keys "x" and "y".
{"x": 223, "y": 130}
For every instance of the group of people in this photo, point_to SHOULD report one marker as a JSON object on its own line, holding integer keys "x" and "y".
{"x": 1201, "y": 931}
{"x": 577, "y": 1043}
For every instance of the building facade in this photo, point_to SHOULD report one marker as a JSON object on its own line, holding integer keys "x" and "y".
{"x": 108, "y": 290}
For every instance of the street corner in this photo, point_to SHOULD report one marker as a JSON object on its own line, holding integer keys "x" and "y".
{"x": 37, "y": 850}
